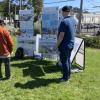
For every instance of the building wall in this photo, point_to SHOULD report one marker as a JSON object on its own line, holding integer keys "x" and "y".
{"x": 91, "y": 18}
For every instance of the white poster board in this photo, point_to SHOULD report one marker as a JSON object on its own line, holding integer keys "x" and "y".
{"x": 78, "y": 52}
{"x": 80, "y": 57}
{"x": 77, "y": 44}
{"x": 50, "y": 20}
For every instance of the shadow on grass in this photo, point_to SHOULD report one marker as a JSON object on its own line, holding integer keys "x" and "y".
{"x": 24, "y": 58}
{"x": 37, "y": 71}
{"x": 38, "y": 82}
{"x": 35, "y": 68}
{"x": 29, "y": 61}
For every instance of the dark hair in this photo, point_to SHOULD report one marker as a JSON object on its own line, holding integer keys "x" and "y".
{"x": 66, "y": 8}
{"x": 1, "y": 22}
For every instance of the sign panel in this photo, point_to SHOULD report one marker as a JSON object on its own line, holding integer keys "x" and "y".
{"x": 50, "y": 20}
{"x": 26, "y": 18}
{"x": 80, "y": 57}
{"x": 28, "y": 44}
{"x": 46, "y": 46}
{"x": 78, "y": 52}
{"x": 78, "y": 42}
{"x": 26, "y": 40}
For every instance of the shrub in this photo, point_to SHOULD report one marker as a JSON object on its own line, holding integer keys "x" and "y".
{"x": 93, "y": 42}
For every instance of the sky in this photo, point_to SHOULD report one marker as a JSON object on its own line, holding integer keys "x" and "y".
{"x": 87, "y": 4}
{"x": 1, "y": 0}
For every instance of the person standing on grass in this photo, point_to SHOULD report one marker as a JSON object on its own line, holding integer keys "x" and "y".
{"x": 6, "y": 47}
{"x": 65, "y": 41}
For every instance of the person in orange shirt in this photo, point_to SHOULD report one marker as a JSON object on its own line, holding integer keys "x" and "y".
{"x": 6, "y": 48}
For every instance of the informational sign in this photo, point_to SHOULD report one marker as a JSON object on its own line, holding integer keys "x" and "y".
{"x": 26, "y": 40}
{"x": 77, "y": 44}
{"x": 26, "y": 18}
{"x": 80, "y": 57}
{"x": 50, "y": 20}
{"x": 28, "y": 45}
{"x": 46, "y": 46}
{"x": 78, "y": 52}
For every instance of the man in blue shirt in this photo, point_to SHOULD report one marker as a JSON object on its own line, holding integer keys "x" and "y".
{"x": 65, "y": 41}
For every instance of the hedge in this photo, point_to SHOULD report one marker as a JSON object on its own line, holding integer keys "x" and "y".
{"x": 93, "y": 42}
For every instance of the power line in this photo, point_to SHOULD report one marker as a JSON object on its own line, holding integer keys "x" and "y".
{"x": 59, "y": 2}
{"x": 94, "y": 4}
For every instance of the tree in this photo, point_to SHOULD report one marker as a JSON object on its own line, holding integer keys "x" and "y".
{"x": 4, "y": 8}
{"x": 37, "y": 4}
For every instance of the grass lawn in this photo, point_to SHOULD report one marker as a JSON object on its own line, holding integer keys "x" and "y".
{"x": 36, "y": 80}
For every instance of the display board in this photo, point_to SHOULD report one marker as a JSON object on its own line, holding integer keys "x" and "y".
{"x": 26, "y": 18}
{"x": 50, "y": 20}
{"x": 28, "y": 45}
{"x": 78, "y": 53}
{"x": 80, "y": 57}
{"x": 26, "y": 40}
{"x": 46, "y": 46}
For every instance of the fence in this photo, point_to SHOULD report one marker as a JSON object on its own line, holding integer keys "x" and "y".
{"x": 90, "y": 29}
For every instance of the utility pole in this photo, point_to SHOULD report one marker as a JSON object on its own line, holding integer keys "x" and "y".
{"x": 80, "y": 16}
{"x": 9, "y": 12}
{"x": 15, "y": 9}
{"x": 20, "y": 3}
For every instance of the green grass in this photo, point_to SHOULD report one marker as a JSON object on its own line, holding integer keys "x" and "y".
{"x": 37, "y": 80}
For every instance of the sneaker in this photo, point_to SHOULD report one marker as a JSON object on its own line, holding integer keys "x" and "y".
{"x": 63, "y": 79}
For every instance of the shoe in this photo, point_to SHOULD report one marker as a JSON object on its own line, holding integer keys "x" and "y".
{"x": 63, "y": 79}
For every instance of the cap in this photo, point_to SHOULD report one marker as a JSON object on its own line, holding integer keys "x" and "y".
{"x": 66, "y": 8}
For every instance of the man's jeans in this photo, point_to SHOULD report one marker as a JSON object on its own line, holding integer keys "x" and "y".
{"x": 65, "y": 61}
{"x": 6, "y": 62}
